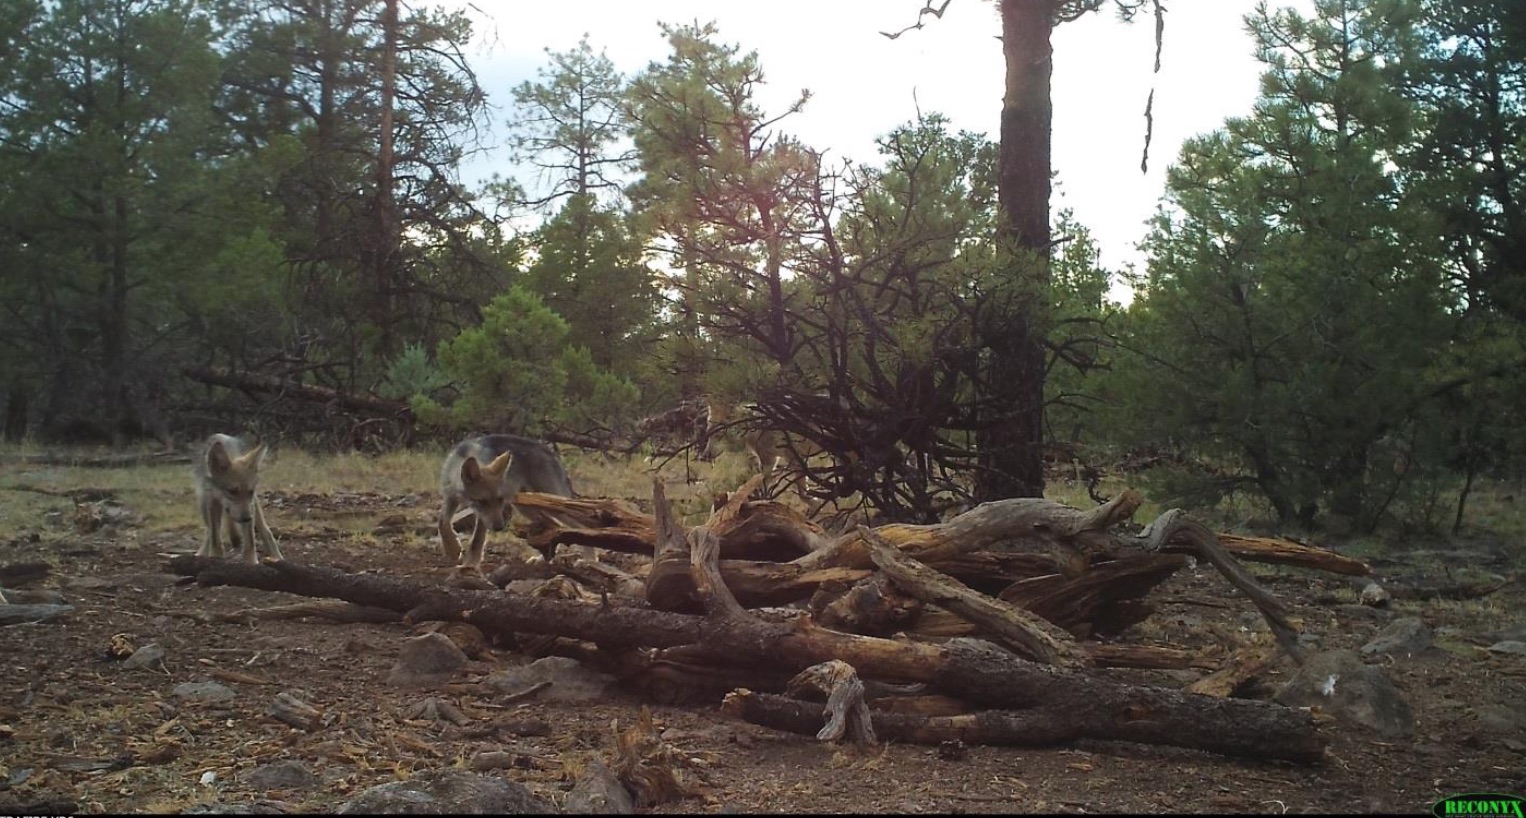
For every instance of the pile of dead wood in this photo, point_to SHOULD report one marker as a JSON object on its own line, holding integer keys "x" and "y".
{"x": 980, "y": 629}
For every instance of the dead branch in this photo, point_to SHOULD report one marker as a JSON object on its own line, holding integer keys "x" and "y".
{"x": 1026, "y": 633}
{"x": 310, "y": 393}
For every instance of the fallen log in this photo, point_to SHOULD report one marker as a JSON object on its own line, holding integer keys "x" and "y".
{"x": 1108, "y": 598}
{"x": 1278, "y": 551}
{"x": 979, "y": 673}
{"x": 982, "y": 554}
{"x": 312, "y": 393}
{"x": 1031, "y": 728}
{"x": 1019, "y": 629}
{"x": 760, "y": 530}
{"x": 32, "y": 614}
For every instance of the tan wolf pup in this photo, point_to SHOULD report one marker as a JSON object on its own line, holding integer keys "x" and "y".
{"x": 227, "y": 475}
{"x": 483, "y": 474}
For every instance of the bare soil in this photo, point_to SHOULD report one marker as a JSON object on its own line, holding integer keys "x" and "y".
{"x": 78, "y": 729}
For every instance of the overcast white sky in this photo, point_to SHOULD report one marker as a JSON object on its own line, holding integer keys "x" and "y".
{"x": 864, "y": 84}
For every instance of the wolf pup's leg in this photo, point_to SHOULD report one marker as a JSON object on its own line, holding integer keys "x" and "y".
{"x": 474, "y": 550}
{"x": 450, "y": 546}
{"x": 263, "y": 530}
{"x": 246, "y": 536}
{"x": 234, "y": 533}
{"x": 212, "y": 515}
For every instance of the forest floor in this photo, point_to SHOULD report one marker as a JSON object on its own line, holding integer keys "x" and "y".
{"x": 80, "y": 731}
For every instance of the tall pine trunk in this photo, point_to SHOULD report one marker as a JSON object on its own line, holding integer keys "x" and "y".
{"x": 384, "y": 244}
{"x": 1011, "y": 437}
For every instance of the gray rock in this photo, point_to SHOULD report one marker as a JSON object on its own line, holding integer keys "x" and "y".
{"x": 34, "y": 614}
{"x": 203, "y": 692}
{"x": 1512, "y": 646}
{"x": 1338, "y": 682}
{"x": 32, "y": 596}
{"x": 281, "y": 775}
{"x": 1403, "y": 637}
{"x": 1498, "y": 719}
{"x": 1374, "y": 595}
{"x": 447, "y": 792}
{"x": 599, "y": 792}
{"x": 150, "y": 657}
{"x": 427, "y": 661}
{"x": 570, "y": 681}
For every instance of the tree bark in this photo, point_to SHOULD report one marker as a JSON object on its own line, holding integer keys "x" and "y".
{"x": 1011, "y": 435}
{"x": 1048, "y": 726}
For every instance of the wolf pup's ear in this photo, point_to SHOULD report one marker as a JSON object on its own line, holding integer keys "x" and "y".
{"x": 218, "y": 461}
{"x": 254, "y": 457}
{"x": 500, "y": 464}
{"x": 471, "y": 470}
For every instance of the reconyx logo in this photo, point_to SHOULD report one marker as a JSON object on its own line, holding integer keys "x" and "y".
{"x": 1484, "y": 805}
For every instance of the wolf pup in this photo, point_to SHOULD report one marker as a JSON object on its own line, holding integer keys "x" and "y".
{"x": 483, "y": 474}
{"x": 227, "y": 474}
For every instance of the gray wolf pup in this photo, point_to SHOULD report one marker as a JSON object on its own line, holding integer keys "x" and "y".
{"x": 483, "y": 474}
{"x": 227, "y": 475}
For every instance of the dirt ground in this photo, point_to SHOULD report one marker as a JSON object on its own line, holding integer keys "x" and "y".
{"x": 82, "y": 732}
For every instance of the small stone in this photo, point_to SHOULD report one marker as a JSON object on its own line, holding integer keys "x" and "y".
{"x": 149, "y": 657}
{"x": 203, "y": 692}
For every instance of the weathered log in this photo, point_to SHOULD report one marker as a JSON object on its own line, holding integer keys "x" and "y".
{"x": 1278, "y": 551}
{"x": 1106, "y": 599}
{"x": 873, "y": 606}
{"x": 919, "y": 705}
{"x": 611, "y": 524}
{"x": 845, "y": 708}
{"x": 1019, "y": 629}
{"x": 1242, "y": 666}
{"x": 311, "y": 393}
{"x": 1034, "y": 728}
{"x": 1023, "y": 524}
{"x": 990, "y": 571}
{"x": 31, "y": 596}
{"x": 293, "y": 711}
{"x": 760, "y": 530}
{"x": 1154, "y": 657}
{"x": 776, "y": 531}
{"x": 331, "y": 609}
{"x": 704, "y": 547}
{"x": 32, "y": 614}
{"x": 1174, "y": 525}
{"x": 976, "y": 672}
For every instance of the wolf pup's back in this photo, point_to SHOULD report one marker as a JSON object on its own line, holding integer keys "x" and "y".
{"x": 535, "y": 467}
{"x": 483, "y": 474}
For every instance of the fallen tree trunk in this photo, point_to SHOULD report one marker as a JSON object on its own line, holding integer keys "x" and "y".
{"x": 1044, "y": 727}
{"x": 1278, "y": 551}
{"x": 976, "y": 672}
{"x": 976, "y": 547}
{"x": 311, "y": 393}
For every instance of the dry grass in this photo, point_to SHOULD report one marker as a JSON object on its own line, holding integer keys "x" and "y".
{"x": 163, "y": 496}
